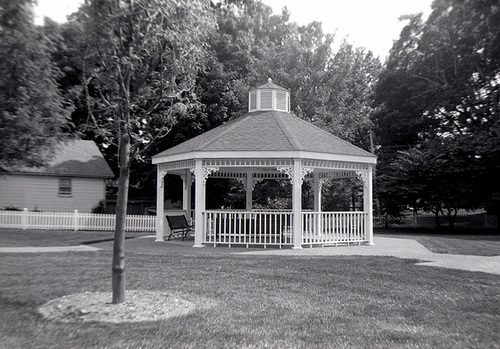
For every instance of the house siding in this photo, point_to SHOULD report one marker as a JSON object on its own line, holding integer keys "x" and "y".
{"x": 36, "y": 192}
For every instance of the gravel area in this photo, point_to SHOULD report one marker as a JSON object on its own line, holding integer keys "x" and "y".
{"x": 138, "y": 306}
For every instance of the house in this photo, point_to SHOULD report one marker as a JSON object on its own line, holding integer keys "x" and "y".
{"x": 74, "y": 179}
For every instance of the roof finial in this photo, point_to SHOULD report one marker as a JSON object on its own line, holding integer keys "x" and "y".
{"x": 269, "y": 80}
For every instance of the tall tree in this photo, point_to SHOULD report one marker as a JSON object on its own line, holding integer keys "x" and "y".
{"x": 33, "y": 114}
{"x": 440, "y": 93}
{"x": 140, "y": 62}
{"x": 251, "y": 44}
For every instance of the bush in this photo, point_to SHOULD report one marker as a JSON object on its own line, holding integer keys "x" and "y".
{"x": 100, "y": 207}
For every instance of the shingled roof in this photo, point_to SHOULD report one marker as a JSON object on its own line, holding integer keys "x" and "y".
{"x": 267, "y": 131}
{"x": 74, "y": 158}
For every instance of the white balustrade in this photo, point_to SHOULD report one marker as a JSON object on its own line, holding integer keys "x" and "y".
{"x": 333, "y": 227}
{"x": 268, "y": 228}
{"x": 248, "y": 228}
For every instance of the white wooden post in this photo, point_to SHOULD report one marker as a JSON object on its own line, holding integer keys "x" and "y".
{"x": 317, "y": 203}
{"x": 317, "y": 193}
{"x": 160, "y": 198}
{"x": 368, "y": 204}
{"x": 75, "y": 220}
{"x": 24, "y": 219}
{"x": 199, "y": 204}
{"x": 297, "y": 204}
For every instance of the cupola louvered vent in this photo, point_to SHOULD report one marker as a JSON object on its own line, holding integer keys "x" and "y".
{"x": 269, "y": 97}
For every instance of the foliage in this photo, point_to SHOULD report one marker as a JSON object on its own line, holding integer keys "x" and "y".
{"x": 250, "y": 45}
{"x": 140, "y": 60}
{"x": 273, "y": 194}
{"x": 33, "y": 114}
{"x": 342, "y": 195}
{"x": 439, "y": 101}
{"x": 100, "y": 207}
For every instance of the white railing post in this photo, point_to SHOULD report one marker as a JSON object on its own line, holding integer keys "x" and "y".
{"x": 24, "y": 219}
{"x": 75, "y": 220}
{"x": 199, "y": 204}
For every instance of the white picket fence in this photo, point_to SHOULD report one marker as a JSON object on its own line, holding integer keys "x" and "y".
{"x": 73, "y": 221}
{"x": 428, "y": 221}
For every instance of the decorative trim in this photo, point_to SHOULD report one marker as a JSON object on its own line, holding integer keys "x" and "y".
{"x": 269, "y": 175}
{"x": 304, "y": 172}
{"x": 288, "y": 171}
{"x": 322, "y": 182}
{"x": 177, "y": 165}
{"x": 247, "y": 162}
{"x": 334, "y": 165}
{"x": 333, "y": 175}
{"x": 224, "y": 174}
{"x": 207, "y": 171}
{"x": 161, "y": 176}
{"x": 363, "y": 176}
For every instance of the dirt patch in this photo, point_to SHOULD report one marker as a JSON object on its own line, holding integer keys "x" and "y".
{"x": 138, "y": 306}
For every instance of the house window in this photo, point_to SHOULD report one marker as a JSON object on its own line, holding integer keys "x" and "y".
{"x": 64, "y": 186}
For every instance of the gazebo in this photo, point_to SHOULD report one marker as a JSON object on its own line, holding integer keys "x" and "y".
{"x": 268, "y": 143}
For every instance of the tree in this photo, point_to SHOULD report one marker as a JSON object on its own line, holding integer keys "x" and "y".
{"x": 331, "y": 89}
{"x": 139, "y": 63}
{"x": 250, "y": 44}
{"x": 33, "y": 114}
{"x": 440, "y": 92}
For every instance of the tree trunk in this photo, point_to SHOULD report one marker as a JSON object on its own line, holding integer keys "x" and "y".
{"x": 436, "y": 218}
{"x": 118, "y": 270}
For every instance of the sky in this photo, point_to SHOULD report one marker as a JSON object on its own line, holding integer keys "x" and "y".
{"x": 372, "y": 24}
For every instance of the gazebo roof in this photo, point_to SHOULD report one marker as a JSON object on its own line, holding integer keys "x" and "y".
{"x": 263, "y": 131}
{"x": 267, "y": 131}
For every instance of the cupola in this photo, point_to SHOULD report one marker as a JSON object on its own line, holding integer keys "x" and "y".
{"x": 269, "y": 97}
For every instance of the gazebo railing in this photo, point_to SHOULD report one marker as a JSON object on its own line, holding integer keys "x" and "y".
{"x": 249, "y": 228}
{"x": 267, "y": 228}
{"x": 333, "y": 227}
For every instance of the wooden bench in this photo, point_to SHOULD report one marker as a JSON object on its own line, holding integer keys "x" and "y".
{"x": 178, "y": 225}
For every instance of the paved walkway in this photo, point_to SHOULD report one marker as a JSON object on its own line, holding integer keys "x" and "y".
{"x": 79, "y": 248}
{"x": 384, "y": 246}
{"x": 401, "y": 248}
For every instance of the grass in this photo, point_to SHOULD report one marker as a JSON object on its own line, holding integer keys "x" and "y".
{"x": 44, "y": 238}
{"x": 262, "y": 301}
{"x": 466, "y": 242}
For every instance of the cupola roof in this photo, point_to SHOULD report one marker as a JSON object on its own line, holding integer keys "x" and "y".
{"x": 269, "y": 97}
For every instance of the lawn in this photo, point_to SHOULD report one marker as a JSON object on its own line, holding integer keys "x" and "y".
{"x": 467, "y": 242}
{"x": 261, "y": 301}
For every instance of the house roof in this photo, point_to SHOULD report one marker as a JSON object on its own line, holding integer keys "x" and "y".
{"x": 267, "y": 131}
{"x": 74, "y": 158}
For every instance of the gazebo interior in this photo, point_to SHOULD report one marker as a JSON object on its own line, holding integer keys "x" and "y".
{"x": 268, "y": 143}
